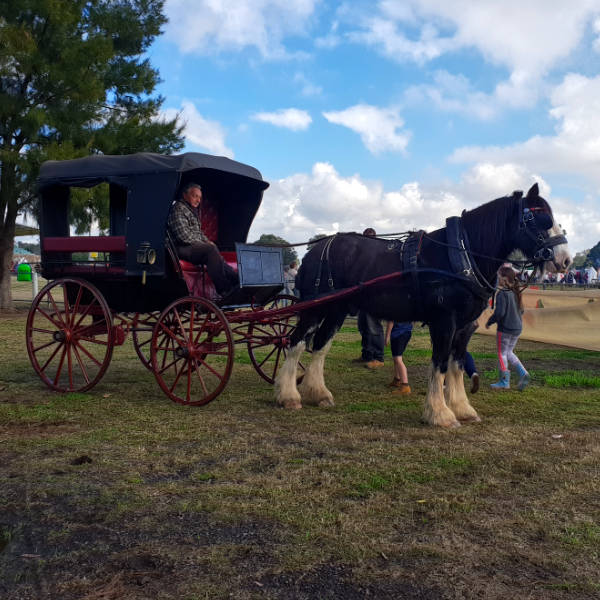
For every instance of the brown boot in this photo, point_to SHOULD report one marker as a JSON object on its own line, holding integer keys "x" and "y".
{"x": 403, "y": 388}
{"x": 374, "y": 364}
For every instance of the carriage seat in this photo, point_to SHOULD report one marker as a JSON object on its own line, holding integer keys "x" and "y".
{"x": 197, "y": 280}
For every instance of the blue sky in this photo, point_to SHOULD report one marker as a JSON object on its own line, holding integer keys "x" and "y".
{"x": 392, "y": 114}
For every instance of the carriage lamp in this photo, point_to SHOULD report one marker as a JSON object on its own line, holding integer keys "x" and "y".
{"x": 145, "y": 254}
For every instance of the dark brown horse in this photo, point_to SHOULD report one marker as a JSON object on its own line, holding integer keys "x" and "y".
{"x": 429, "y": 290}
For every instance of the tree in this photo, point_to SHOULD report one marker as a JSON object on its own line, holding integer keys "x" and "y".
{"x": 73, "y": 82}
{"x": 580, "y": 259}
{"x": 594, "y": 255}
{"x": 268, "y": 239}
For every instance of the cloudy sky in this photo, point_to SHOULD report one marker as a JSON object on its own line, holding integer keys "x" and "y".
{"x": 392, "y": 114}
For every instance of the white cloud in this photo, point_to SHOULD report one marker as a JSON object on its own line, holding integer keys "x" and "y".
{"x": 453, "y": 93}
{"x": 290, "y": 118}
{"x": 203, "y": 133}
{"x": 575, "y": 148}
{"x": 324, "y": 202}
{"x": 213, "y": 26}
{"x": 380, "y": 129}
{"x": 307, "y": 87}
{"x": 528, "y": 38}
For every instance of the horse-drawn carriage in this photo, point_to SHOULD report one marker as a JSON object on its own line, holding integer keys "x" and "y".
{"x": 185, "y": 335}
{"x": 131, "y": 282}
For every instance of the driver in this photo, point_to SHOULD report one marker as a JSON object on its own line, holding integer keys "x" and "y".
{"x": 191, "y": 243}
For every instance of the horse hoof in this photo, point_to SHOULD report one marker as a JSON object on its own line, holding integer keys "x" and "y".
{"x": 326, "y": 403}
{"x": 452, "y": 425}
{"x": 292, "y": 405}
{"x": 470, "y": 419}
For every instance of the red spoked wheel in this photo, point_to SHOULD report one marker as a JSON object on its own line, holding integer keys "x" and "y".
{"x": 269, "y": 340}
{"x": 192, "y": 351}
{"x": 70, "y": 335}
{"x": 142, "y": 338}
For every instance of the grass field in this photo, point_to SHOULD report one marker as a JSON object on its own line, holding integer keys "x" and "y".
{"x": 120, "y": 494}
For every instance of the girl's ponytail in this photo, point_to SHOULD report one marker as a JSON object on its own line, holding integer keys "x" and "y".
{"x": 509, "y": 274}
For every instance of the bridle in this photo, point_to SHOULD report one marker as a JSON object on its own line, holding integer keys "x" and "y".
{"x": 532, "y": 224}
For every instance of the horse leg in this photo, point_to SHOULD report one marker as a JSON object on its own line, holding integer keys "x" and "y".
{"x": 313, "y": 389}
{"x": 456, "y": 397}
{"x": 436, "y": 412}
{"x": 286, "y": 392}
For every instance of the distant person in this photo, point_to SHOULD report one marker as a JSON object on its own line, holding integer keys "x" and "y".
{"x": 293, "y": 271}
{"x": 397, "y": 336}
{"x": 371, "y": 332}
{"x": 184, "y": 224}
{"x": 507, "y": 314}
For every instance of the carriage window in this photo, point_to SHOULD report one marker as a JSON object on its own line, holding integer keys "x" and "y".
{"x": 85, "y": 226}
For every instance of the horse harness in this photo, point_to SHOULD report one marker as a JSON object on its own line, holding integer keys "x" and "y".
{"x": 536, "y": 229}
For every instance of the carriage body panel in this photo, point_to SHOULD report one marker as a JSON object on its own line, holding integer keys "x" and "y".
{"x": 134, "y": 266}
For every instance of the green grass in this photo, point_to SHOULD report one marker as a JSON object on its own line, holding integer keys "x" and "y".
{"x": 242, "y": 499}
{"x": 572, "y": 379}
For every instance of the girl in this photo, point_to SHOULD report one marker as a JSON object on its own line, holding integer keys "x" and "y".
{"x": 508, "y": 311}
{"x": 397, "y": 336}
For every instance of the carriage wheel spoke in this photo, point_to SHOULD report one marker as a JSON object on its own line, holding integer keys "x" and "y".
{"x": 182, "y": 328}
{"x": 266, "y": 358}
{"x": 45, "y": 345}
{"x": 276, "y": 365}
{"x": 40, "y": 330}
{"x": 56, "y": 324}
{"x": 200, "y": 378}
{"x": 201, "y": 330}
{"x": 81, "y": 366}
{"x": 60, "y": 365}
{"x": 52, "y": 356}
{"x": 178, "y": 376}
{"x": 84, "y": 338}
{"x": 67, "y": 306}
{"x": 56, "y": 311}
{"x": 88, "y": 354}
{"x": 172, "y": 335}
{"x": 85, "y": 313}
{"x": 76, "y": 307}
{"x": 70, "y": 365}
{"x": 211, "y": 369}
{"x": 189, "y": 381}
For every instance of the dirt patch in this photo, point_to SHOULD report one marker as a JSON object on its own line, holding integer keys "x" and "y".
{"x": 38, "y": 430}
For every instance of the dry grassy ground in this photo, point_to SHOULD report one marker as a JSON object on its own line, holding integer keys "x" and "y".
{"x": 120, "y": 494}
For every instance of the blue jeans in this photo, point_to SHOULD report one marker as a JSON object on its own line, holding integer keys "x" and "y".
{"x": 373, "y": 338}
{"x": 470, "y": 367}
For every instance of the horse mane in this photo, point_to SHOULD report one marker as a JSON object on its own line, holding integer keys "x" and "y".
{"x": 488, "y": 221}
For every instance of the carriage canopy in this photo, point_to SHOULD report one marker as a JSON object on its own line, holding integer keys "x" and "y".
{"x": 142, "y": 188}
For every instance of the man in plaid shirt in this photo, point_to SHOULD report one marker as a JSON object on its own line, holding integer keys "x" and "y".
{"x": 191, "y": 243}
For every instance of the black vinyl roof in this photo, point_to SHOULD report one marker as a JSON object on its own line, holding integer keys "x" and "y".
{"x": 75, "y": 171}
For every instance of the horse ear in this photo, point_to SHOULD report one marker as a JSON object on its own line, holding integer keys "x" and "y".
{"x": 534, "y": 191}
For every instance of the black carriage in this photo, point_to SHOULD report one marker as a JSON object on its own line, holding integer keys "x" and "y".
{"x": 131, "y": 282}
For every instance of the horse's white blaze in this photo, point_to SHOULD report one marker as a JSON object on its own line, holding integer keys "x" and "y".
{"x": 436, "y": 412}
{"x": 456, "y": 397}
{"x": 286, "y": 392}
{"x": 313, "y": 389}
{"x": 562, "y": 254}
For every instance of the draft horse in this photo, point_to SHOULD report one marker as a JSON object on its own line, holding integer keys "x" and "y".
{"x": 417, "y": 280}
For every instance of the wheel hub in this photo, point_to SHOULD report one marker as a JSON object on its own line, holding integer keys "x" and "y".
{"x": 59, "y": 336}
{"x": 182, "y": 352}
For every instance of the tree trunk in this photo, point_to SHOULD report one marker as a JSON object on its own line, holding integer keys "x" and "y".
{"x": 8, "y": 214}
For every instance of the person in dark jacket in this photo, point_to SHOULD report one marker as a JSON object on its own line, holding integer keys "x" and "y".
{"x": 507, "y": 315}
{"x": 184, "y": 225}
